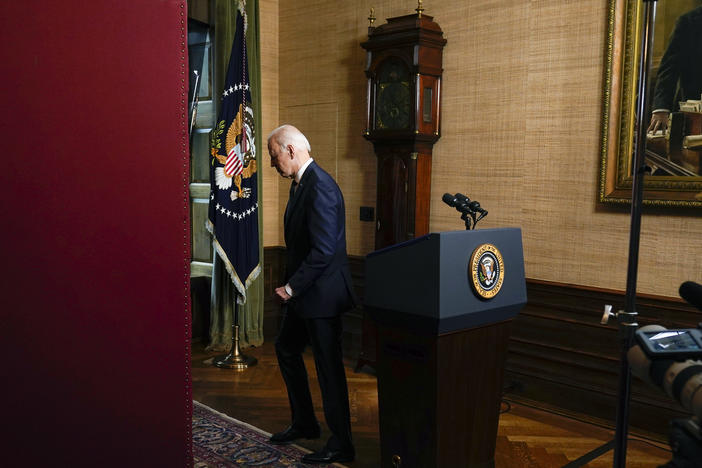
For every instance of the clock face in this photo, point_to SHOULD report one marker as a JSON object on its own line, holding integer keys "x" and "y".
{"x": 392, "y": 105}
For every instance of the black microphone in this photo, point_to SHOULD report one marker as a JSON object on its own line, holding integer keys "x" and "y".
{"x": 466, "y": 204}
{"x": 692, "y": 293}
{"x": 458, "y": 201}
{"x": 449, "y": 199}
{"x": 475, "y": 206}
{"x": 462, "y": 198}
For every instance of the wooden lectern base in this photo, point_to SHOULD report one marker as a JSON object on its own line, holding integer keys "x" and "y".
{"x": 439, "y": 396}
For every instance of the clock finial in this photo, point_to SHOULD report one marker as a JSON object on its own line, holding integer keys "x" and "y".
{"x": 371, "y": 18}
{"x": 419, "y": 8}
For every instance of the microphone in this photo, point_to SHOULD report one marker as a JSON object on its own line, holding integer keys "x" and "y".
{"x": 449, "y": 199}
{"x": 692, "y": 293}
{"x": 458, "y": 201}
{"x": 462, "y": 198}
{"x": 475, "y": 206}
{"x": 469, "y": 209}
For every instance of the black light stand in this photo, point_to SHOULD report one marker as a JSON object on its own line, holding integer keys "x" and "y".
{"x": 235, "y": 359}
{"x": 627, "y": 317}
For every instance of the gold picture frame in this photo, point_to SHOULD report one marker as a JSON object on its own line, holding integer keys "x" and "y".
{"x": 625, "y": 29}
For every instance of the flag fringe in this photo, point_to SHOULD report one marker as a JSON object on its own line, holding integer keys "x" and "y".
{"x": 240, "y": 287}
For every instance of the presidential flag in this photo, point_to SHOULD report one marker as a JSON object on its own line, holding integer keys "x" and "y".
{"x": 233, "y": 209}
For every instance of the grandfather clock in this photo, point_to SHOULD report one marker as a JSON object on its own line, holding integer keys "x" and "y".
{"x": 403, "y": 67}
{"x": 404, "y": 82}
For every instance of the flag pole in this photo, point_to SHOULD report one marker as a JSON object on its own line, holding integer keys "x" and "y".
{"x": 235, "y": 359}
{"x": 233, "y": 206}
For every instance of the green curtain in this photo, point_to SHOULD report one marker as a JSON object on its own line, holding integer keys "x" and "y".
{"x": 223, "y": 291}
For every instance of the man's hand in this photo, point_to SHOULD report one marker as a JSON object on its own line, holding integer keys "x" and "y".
{"x": 281, "y": 294}
{"x": 659, "y": 121}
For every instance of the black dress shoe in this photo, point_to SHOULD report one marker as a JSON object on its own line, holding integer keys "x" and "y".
{"x": 293, "y": 433}
{"x": 328, "y": 456}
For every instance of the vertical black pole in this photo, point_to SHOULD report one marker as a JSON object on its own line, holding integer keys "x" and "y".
{"x": 627, "y": 318}
{"x": 639, "y": 166}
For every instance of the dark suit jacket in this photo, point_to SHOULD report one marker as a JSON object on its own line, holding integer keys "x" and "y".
{"x": 315, "y": 236}
{"x": 682, "y": 61}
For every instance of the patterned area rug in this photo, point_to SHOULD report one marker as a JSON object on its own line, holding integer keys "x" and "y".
{"x": 220, "y": 441}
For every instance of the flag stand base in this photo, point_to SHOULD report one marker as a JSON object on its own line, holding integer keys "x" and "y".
{"x": 235, "y": 359}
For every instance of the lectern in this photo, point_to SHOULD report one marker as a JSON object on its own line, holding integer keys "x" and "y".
{"x": 443, "y": 305}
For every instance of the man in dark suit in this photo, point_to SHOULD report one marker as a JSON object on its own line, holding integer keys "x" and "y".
{"x": 316, "y": 293}
{"x": 680, "y": 68}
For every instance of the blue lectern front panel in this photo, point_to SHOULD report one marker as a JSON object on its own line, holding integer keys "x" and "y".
{"x": 429, "y": 277}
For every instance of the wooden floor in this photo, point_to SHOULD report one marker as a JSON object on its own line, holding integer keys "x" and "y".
{"x": 527, "y": 437}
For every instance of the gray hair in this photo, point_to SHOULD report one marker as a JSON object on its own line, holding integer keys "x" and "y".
{"x": 288, "y": 135}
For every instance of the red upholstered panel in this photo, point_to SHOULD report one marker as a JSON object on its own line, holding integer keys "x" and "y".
{"x": 95, "y": 291}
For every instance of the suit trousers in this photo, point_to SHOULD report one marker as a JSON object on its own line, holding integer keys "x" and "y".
{"x": 324, "y": 334}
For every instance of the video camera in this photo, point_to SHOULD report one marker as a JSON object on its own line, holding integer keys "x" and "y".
{"x": 671, "y": 359}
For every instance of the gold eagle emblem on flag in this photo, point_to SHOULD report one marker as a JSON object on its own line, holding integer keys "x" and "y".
{"x": 240, "y": 159}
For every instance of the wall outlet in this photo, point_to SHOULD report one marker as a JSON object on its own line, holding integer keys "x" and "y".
{"x": 367, "y": 213}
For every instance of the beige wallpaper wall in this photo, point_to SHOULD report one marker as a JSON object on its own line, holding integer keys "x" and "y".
{"x": 268, "y": 10}
{"x": 521, "y": 109}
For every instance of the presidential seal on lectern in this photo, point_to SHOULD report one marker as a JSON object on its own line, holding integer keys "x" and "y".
{"x": 486, "y": 271}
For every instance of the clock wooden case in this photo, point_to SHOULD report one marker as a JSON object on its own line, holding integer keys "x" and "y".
{"x": 403, "y": 67}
